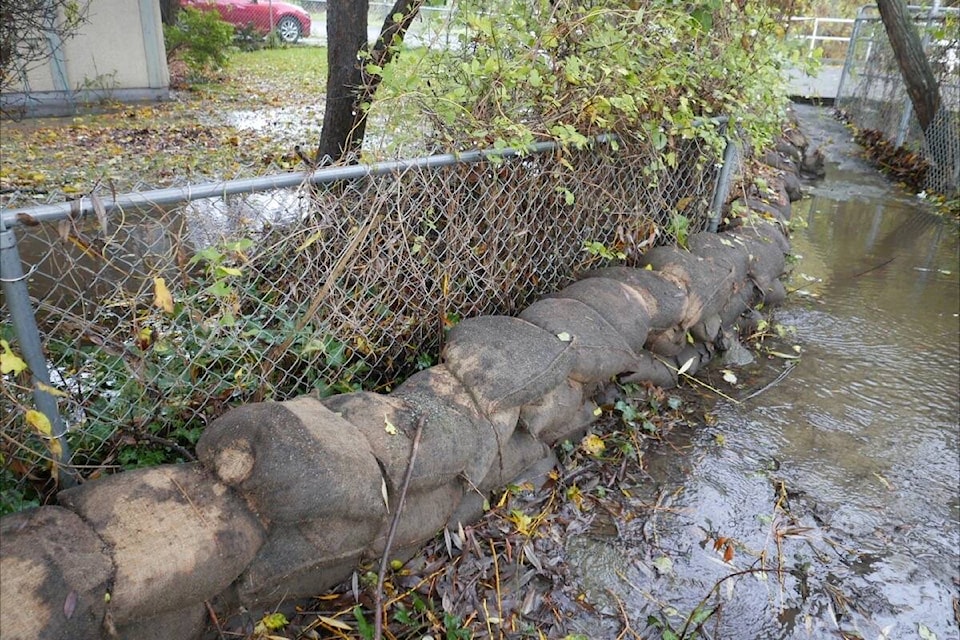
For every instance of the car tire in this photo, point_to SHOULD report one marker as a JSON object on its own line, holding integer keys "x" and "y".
{"x": 288, "y": 29}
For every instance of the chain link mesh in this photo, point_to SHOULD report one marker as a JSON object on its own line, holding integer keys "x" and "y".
{"x": 874, "y": 96}
{"x": 326, "y": 288}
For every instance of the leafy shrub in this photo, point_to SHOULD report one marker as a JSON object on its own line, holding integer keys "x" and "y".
{"x": 564, "y": 70}
{"x": 201, "y": 38}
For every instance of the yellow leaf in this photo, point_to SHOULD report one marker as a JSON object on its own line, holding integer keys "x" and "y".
{"x": 9, "y": 361}
{"x": 161, "y": 296}
{"x": 593, "y": 444}
{"x": 274, "y": 621}
{"x": 51, "y": 390}
{"x": 41, "y": 424}
{"x": 229, "y": 271}
{"x": 336, "y": 624}
{"x": 389, "y": 427}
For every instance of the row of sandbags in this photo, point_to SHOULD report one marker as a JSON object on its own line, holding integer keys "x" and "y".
{"x": 287, "y": 498}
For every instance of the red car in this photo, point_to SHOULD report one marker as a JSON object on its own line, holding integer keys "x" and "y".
{"x": 289, "y": 21}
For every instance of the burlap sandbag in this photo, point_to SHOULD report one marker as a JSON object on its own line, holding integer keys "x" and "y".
{"x": 440, "y": 396}
{"x": 627, "y": 309}
{"x": 666, "y": 299}
{"x": 293, "y": 461}
{"x": 55, "y": 572}
{"x": 599, "y": 350}
{"x": 708, "y": 329}
{"x": 660, "y": 371}
{"x": 424, "y": 514}
{"x": 740, "y": 301}
{"x": 176, "y": 534}
{"x": 708, "y": 283}
{"x": 389, "y": 423}
{"x": 723, "y": 251}
{"x": 505, "y": 362}
{"x": 766, "y": 253}
{"x": 693, "y": 358}
{"x": 183, "y": 624}
{"x": 561, "y": 413}
{"x": 300, "y": 560}
{"x": 522, "y": 451}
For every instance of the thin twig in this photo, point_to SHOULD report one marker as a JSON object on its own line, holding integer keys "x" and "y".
{"x": 626, "y": 620}
{"x": 772, "y": 383}
{"x": 216, "y": 621}
{"x": 394, "y": 523}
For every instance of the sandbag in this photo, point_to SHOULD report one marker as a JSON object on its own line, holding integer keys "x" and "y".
{"x": 293, "y": 461}
{"x": 177, "y": 536}
{"x": 627, "y": 309}
{"x": 561, "y": 413}
{"x": 437, "y": 394}
{"x": 723, "y": 251}
{"x": 666, "y": 299}
{"x": 653, "y": 369}
{"x": 389, "y": 423}
{"x": 521, "y": 452}
{"x": 56, "y": 572}
{"x": 424, "y": 514}
{"x": 707, "y": 282}
{"x": 505, "y": 362}
{"x": 599, "y": 350}
{"x": 183, "y": 624}
{"x": 303, "y": 559}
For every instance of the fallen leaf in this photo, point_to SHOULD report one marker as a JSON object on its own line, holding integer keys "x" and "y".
{"x": 389, "y": 427}
{"x": 593, "y": 445}
{"x": 728, "y": 553}
{"x": 685, "y": 367}
{"x": 9, "y": 361}
{"x": 663, "y": 565}
{"x": 926, "y": 633}
{"x": 336, "y": 624}
{"x": 70, "y": 604}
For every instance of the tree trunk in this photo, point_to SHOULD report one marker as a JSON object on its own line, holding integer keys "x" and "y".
{"x": 350, "y": 86}
{"x": 169, "y": 9}
{"x": 917, "y": 75}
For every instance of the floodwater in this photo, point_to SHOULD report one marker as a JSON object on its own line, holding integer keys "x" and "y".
{"x": 836, "y": 491}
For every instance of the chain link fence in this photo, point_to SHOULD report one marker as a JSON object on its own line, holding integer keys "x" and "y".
{"x": 160, "y": 310}
{"x": 873, "y": 95}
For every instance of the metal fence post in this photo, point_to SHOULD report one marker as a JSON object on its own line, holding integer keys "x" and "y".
{"x": 722, "y": 188}
{"x": 851, "y": 54}
{"x": 25, "y": 325}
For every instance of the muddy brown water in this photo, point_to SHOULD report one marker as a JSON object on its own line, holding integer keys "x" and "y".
{"x": 844, "y": 476}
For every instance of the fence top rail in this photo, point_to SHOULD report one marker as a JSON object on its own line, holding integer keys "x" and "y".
{"x": 144, "y": 200}
{"x": 86, "y": 205}
{"x": 818, "y": 19}
{"x": 919, "y": 11}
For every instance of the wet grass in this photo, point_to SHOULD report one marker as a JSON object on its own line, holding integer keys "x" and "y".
{"x": 196, "y": 136}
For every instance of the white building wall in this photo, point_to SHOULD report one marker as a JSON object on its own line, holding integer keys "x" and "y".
{"x": 117, "y": 55}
